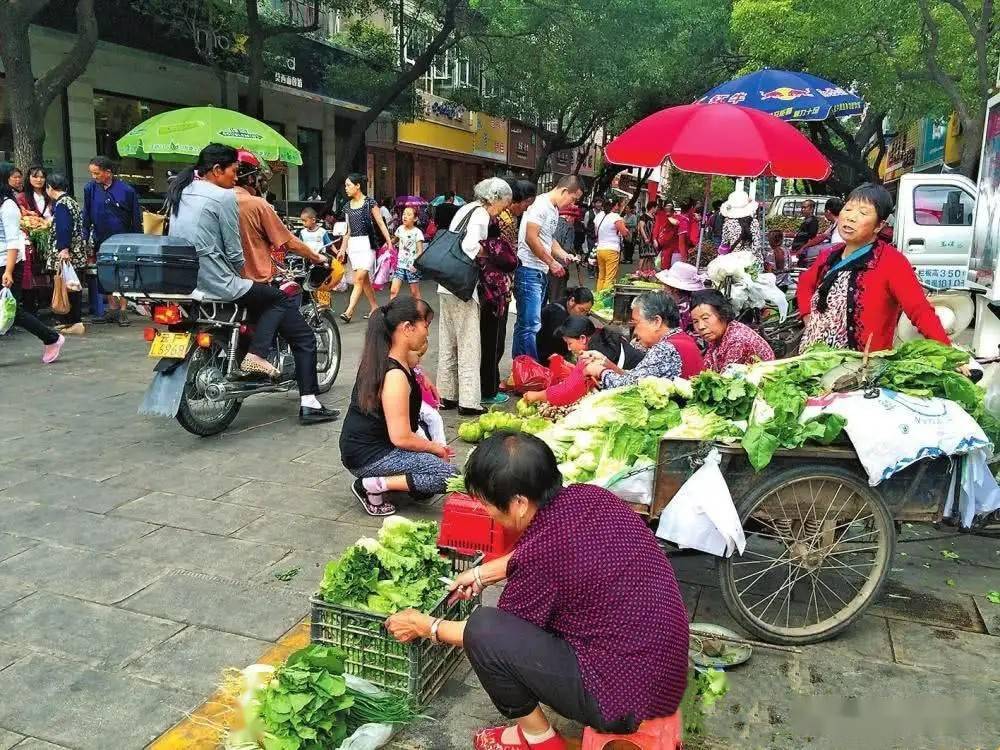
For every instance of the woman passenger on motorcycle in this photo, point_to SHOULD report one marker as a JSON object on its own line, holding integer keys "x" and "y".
{"x": 204, "y": 212}
{"x": 379, "y": 443}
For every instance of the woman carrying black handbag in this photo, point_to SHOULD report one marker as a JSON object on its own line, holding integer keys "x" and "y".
{"x": 459, "y": 351}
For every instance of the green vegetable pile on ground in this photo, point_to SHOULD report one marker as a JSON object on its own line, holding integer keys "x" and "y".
{"x": 705, "y": 688}
{"x": 498, "y": 421}
{"x": 397, "y": 570}
{"x": 305, "y": 706}
{"x": 310, "y": 704}
{"x": 610, "y": 430}
{"x": 604, "y": 302}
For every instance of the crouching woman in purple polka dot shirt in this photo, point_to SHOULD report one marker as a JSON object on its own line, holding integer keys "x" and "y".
{"x": 590, "y": 622}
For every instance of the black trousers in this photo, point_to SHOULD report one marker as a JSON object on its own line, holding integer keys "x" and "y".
{"x": 556, "y": 289}
{"x": 520, "y": 666}
{"x": 25, "y": 319}
{"x": 75, "y": 314}
{"x": 492, "y": 339}
{"x": 275, "y": 312}
{"x": 628, "y": 250}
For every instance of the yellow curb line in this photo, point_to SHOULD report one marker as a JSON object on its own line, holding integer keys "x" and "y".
{"x": 199, "y": 730}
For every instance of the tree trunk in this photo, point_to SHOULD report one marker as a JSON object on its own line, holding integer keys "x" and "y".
{"x": 972, "y": 141}
{"x": 22, "y": 104}
{"x": 542, "y": 163}
{"x": 255, "y": 74}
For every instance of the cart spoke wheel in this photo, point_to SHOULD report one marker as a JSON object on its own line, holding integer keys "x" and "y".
{"x": 818, "y": 547}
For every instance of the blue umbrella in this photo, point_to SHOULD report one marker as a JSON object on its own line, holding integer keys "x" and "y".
{"x": 459, "y": 201}
{"x": 787, "y": 95}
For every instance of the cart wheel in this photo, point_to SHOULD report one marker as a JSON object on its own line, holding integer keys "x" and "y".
{"x": 819, "y": 543}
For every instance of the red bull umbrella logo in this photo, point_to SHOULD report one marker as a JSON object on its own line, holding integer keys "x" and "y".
{"x": 785, "y": 93}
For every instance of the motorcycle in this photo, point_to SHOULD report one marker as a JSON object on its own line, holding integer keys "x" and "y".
{"x": 197, "y": 376}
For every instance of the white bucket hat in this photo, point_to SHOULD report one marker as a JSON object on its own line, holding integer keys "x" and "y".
{"x": 739, "y": 205}
{"x": 955, "y": 310}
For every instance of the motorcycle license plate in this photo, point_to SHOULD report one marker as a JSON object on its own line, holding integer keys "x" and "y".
{"x": 170, "y": 345}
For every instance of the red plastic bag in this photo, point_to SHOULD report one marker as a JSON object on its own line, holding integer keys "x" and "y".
{"x": 529, "y": 375}
{"x": 559, "y": 368}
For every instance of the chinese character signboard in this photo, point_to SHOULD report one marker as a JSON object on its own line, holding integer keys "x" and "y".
{"x": 932, "y": 139}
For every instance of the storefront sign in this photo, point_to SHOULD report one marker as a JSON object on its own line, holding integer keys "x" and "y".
{"x": 902, "y": 152}
{"x": 491, "y": 137}
{"x": 932, "y": 140}
{"x": 443, "y": 112}
{"x": 522, "y": 145}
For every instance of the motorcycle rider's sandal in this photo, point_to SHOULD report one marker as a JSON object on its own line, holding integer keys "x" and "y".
{"x": 255, "y": 365}
{"x": 380, "y": 506}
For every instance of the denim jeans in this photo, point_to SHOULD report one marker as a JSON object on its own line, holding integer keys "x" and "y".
{"x": 529, "y": 292}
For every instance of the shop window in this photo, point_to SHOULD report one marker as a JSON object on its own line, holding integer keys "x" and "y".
{"x": 310, "y": 143}
{"x": 114, "y": 116}
{"x": 942, "y": 206}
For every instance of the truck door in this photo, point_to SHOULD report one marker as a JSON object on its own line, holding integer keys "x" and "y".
{"x": 936, "y": 214}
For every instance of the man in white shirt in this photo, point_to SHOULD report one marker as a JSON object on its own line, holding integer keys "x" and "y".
{"x": 539, "y": 253}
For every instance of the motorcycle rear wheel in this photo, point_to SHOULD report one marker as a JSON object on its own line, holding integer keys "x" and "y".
{"x": 196, "y": 413}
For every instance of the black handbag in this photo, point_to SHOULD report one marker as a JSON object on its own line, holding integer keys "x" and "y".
{"x": 445, "y": 262}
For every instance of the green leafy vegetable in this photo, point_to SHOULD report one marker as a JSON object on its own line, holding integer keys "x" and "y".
{"x": 700, "y": 423}
{"x": 947, "y": 554}
{"x": 731, "y": 397}
{"x": 455, "y": 483}
{"x": 399, "y": 569}
{"x": 993, "y": 597}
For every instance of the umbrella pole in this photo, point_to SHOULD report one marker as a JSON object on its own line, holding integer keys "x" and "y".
{"x": 704, "y": 207}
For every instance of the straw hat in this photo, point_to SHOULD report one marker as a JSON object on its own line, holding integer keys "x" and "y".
{"x": 955, "y": 310}
{"x": 739, "y": 205}
{"x": 682, "y": 276}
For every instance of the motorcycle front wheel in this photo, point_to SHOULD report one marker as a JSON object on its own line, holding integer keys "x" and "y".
{"x": 196, "y": 413}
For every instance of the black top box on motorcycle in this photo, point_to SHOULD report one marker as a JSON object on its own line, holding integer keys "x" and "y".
{"x": 147, "y": 264}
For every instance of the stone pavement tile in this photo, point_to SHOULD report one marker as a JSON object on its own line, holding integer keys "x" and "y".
{"x": 697, "y": 568}
{"x": 11, "y": 545}
{"x": 178, "y": 478}
{"x": 326, "y": 455}
{"x": 9, "y": 655}
{"x": 65, "y": 526}
{"x": 970, "y": 548}
{"x": 33, "y": 743}
{"x": 965, "y": 579}
{"x": 275, "y": 470}
{"x": 194, "y": 659}
{"x": 11, "y": 475}
{"x": 221, "y": 604}
{"x": 11, "y": 592}
{"x": 93, "y": 633}
{"x": 9, "y": 739}
{"x": 712, "y": 609}
{"x": 690, "y": 593}
{"x": 82, "y": 708}
{"x": 84, "y": 574}
{"x": 947, "y": 609}
{"x": 301, "y": 532}
{"x": 193, "y": 513}
{"x": 78, "y": 493}
{"x": 311, "y": 566}
{"x": 951, "y": 651}
{"x": 203, "y": 553}
{"x": 990, "y": 613}
{"x": 285, "y": 498}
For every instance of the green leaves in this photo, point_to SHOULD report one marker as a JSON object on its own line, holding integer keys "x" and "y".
{"x": 729, "y": 397}
{"x": 993, "y": 597}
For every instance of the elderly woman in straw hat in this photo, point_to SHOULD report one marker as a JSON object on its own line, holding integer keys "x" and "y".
{"x": 681, "y": 280}
{"x": 853, "y": 296}
{"x": 740, "y": 230}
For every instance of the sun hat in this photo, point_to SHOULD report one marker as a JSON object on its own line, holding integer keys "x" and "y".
{"x": 954, "y": 310}
{"x": 738, "y": 205}
{"x": 682, "y": 276}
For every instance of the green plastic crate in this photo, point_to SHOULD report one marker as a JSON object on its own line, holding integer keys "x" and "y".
{"x": 417, "y": 670}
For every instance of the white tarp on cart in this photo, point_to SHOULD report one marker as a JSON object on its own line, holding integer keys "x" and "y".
{"x": 893, "y": 431}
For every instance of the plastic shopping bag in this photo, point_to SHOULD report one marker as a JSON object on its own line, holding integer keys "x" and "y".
{"x": 528, "y": 375}
{"x": 385, "y": 266}
{"x": 60, "y": 296}
{"x": 702, "y": 515}
{"x": 8, "y": 310}
{"x": 70, "y": 278}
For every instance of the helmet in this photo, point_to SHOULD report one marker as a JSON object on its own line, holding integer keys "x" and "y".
{"x": 247, "y": 165}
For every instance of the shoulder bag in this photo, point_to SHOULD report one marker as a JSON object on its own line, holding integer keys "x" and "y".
{"x": 445, "y": 262}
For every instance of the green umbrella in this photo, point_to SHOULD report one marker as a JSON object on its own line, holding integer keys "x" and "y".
{"x": 180, "y": 134}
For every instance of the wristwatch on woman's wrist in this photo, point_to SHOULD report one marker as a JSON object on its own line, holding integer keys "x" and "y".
{"x": 434, "y": 630}
{"x": 477, "y": 574}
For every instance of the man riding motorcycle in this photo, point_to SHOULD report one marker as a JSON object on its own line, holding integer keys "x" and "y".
{"x": 261, "y": 231}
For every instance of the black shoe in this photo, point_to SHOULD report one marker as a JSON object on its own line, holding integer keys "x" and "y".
{"x": 312, "y": 415}
{"x": 466, "y": 412}
{"x": 447, "y": 403}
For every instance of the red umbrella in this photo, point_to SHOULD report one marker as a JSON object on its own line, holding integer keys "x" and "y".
{"x": 719, "y": 139}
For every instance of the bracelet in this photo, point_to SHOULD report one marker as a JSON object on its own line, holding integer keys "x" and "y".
{"x": 479, "y": 577}
{"x": 434, "y": 630}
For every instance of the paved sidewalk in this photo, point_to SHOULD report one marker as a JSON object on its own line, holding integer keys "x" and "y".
{"x": 137, "y": 561}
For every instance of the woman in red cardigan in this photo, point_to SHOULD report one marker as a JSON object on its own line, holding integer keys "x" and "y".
{"x": 855, "y": 292}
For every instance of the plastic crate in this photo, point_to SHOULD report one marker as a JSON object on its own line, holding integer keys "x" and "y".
{"x": 467, "y": 528}
{"x": 417, "y": 670}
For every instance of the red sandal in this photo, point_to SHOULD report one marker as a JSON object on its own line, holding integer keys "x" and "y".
{"x": 489, "y": 739}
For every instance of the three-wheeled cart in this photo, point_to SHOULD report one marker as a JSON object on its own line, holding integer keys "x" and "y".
{"x": 819, "y": 539}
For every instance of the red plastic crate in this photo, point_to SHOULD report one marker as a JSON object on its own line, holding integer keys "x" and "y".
{"x": 467, "y": 528}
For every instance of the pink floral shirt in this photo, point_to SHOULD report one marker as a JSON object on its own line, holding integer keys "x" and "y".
{"x": 739, "y": 345}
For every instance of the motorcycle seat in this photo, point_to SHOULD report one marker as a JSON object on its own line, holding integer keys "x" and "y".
{"x": 224, "y": 312}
